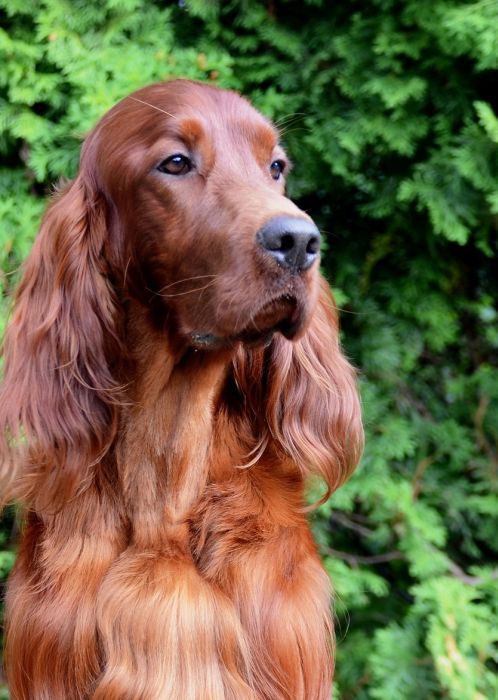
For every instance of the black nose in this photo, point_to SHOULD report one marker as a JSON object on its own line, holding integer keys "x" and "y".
{"x": 293, "y": 242}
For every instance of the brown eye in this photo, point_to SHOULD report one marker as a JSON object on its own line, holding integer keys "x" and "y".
{"x": 176, "y": 165}
{"x": 277, "y": 168}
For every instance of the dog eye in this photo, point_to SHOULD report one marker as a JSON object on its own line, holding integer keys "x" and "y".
{"x": 277, "y": 168}
{"x": 177, "y": 164}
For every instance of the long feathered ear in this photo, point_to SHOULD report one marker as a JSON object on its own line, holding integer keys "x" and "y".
{"x": 309, "y": 390}
{"x": 58, "y": 399}
{"x": 313, "y": 404}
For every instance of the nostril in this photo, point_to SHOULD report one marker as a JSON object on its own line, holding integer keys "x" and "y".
{"x": 313, "y": 246}
{"x": 287, "y": 242}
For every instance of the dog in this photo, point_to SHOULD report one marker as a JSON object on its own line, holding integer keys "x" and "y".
{"x": 172, "y": 377}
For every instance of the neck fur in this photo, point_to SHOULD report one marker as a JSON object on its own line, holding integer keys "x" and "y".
{"x": 163, "y": 455}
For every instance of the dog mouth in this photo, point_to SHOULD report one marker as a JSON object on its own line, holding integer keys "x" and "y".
{"x": 280, "y": 315}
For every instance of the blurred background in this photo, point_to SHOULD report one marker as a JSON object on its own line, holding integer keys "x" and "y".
{"x": 389, "y": 111}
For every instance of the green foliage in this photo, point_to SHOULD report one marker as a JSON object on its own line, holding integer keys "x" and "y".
{"x": 389, "y": 111}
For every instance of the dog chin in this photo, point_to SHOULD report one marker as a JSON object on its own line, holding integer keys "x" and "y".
{"x": 283, "y": 315}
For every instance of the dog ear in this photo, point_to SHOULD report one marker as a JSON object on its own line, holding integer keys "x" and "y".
{"x": 308, "y": 391}
{"x": 58, "y": 399}
{"x": 313, "y": 407}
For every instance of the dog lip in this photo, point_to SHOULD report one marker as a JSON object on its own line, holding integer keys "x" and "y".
{"x": 289, "y": 329}
{"x": 282, "y": 314}
{"x": 273, "y": 312}
{"x": 210, "y": 341}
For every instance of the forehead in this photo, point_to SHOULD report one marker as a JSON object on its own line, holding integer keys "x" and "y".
{"x": 220, "y": 126}
{"x": 190, "y": 111}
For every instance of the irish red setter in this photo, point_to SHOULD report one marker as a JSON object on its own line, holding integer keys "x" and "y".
{"x": 172, "y": 377}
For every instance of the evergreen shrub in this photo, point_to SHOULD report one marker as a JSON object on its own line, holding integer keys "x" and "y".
{"x": 389, "y": 111}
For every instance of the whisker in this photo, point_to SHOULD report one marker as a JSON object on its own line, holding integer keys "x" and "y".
{"x": 290, "y": 117}
{"x": 180, "y": 294}
{"x": 148, "y": 104}
{"x": 286, "y": 130}
{"x": 185, "y": 279}
{"x": 13, "y": 272}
